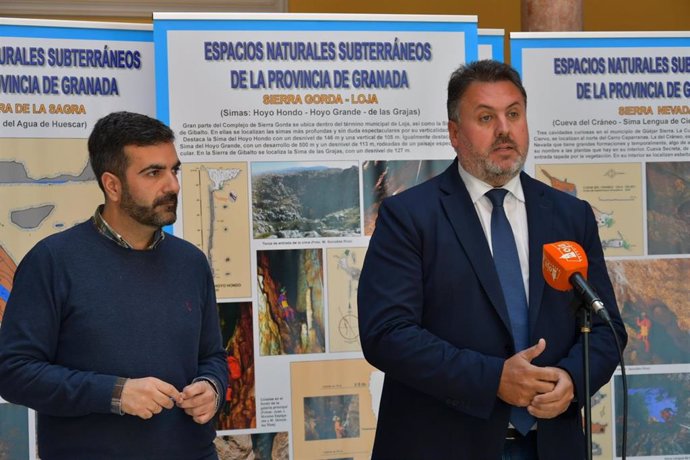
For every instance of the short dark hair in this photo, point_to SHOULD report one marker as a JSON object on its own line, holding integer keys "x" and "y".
{"x": 112, "y": 133}
{"x": 485, "y": 71}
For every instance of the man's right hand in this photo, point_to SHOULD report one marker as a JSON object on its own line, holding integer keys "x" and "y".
{"x": 521, "y": 380}
{"x": 148, "y": 396}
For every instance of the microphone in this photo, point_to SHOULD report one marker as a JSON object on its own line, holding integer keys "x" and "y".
{"x": 564, "y": 266}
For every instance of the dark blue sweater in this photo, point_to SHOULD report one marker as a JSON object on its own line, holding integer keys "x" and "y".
{"x": 84, "y": 311}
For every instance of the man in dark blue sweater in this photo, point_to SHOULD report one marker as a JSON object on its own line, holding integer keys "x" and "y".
{"x": 111, "y": 330}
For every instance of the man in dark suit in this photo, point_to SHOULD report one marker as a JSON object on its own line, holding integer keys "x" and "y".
{"x": 432, "y": 310}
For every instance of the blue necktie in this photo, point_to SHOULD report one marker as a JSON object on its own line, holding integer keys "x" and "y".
{"x": 507, "y": 265}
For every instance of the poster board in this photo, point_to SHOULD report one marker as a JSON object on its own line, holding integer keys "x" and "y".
{"x": 57, "y": 78}
{"x": 609, "y": 119}
{"x": 491, "y": 44}
{"x": 291, "y": 130}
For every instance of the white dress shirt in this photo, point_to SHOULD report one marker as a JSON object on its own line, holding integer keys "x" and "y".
{"x": 514, "y": 206}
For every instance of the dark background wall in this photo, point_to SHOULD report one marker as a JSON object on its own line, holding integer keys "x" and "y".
{"x": 608, "y": 15}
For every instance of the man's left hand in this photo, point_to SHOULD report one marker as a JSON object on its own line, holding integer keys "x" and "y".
{"x": 199, "y": 401}
{"x": 556, "y": 401}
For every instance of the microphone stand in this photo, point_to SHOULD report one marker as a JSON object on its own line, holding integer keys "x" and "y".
{"x": 586, "y": 329}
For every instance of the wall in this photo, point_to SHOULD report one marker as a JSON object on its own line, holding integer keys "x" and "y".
{"x": 610, "y": 15}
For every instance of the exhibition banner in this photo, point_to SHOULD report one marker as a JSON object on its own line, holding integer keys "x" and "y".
{"x": 609, "y": 123}
{"x": 57, "y": 78}
{"x": 291, "y": 129}
{"x": 491, "y": 44}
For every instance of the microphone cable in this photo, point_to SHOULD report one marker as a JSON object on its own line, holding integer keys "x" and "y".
{"x": 624, "y": 381}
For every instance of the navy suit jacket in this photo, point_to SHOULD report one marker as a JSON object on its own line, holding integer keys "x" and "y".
{"x": 433, "y": 318}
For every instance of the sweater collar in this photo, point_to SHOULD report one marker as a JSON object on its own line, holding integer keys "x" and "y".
{"x": 107, "y": 231}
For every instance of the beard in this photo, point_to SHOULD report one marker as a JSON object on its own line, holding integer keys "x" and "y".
{"x": 481, "y": 166}
{"x": 150, "y": 215}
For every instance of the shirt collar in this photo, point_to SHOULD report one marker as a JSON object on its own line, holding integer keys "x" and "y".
{"x": 477, "y": 188}
{"x": 107, "y": 231}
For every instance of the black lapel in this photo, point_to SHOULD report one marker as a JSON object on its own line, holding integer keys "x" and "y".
{"x": 463, "y": 218}
{"x": 540, "y": 226}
